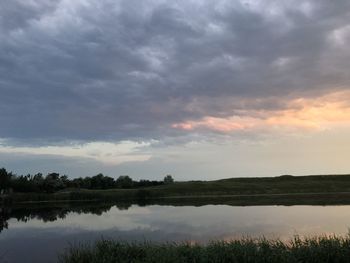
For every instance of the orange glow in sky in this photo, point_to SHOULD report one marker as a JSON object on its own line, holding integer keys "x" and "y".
{"x": 301, "y": 113}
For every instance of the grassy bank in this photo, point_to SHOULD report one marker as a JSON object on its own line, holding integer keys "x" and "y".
{"x": 286, "y": 188}
{"x": 133, "y": 197}
{"x": 313, "y": 250}
{"x": 263, "y": 185}
{"x": 78, "y": 195}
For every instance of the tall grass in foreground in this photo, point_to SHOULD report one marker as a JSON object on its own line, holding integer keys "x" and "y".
{"x": 298, "y": 250}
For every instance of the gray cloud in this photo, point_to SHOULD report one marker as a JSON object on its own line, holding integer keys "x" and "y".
{"x": 116, "y": 70}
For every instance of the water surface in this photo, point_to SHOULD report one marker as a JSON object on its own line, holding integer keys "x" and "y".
{"x": 38, "y": 235}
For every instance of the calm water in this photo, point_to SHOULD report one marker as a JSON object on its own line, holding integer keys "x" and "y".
{"x": 37, "y": 235}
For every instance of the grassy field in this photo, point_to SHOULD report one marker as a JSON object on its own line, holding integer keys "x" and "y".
{"x": 263, "y": 185}
{"x": 312, "y": 250}
{"x": 285, "y": 188}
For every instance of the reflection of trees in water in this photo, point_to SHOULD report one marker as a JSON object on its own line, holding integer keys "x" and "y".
{"x": 52, "y": 213}
{"x": 4, "y": 216}
{"x": 123, "y": 206}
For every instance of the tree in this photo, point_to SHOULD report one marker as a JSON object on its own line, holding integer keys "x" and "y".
{"x": 52, "y": 183}
{"x": 65, "y": 179}
{"x": 100, "y": 181}
{"x": 5, "y": 179}
{"x": 124, "y": 181}
{"x": 168, "y": 179}
{"x": 38, "y": 182}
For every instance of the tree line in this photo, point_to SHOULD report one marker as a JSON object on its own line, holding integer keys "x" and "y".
{"x": 54, "y": 182}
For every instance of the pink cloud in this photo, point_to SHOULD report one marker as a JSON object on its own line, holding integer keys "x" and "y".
{"x": 301, "y": 113}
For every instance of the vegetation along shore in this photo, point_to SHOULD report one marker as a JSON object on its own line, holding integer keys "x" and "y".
{"x": 325, "y": 249}
{"x": 286, "y": 189}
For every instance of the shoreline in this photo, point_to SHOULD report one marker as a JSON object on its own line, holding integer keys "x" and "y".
{"x": 319, "y": 198}
{"x": 284, "y": 190}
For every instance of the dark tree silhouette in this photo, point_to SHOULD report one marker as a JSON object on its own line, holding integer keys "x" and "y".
{"x": 168, "y": 179}
{"x": 54, "y": 182}
{"x": 5, "y": 179}
{"x": 124, "y": 181}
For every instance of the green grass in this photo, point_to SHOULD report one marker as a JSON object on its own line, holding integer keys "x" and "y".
{"x": 263, "y": 185}
{"x": 310, "y": 250}
{"x": 292, "y": 187}
{"x": 78, "y": 195}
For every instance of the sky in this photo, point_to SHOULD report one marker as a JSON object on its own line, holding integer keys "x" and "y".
{"x": 201, "y": 90}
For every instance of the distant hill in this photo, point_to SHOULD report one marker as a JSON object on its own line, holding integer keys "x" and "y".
{"x": 261, "y": 185}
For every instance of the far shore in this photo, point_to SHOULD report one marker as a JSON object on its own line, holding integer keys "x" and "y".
{"x": 282, "y": 190}
{"x": 331, "y": 198}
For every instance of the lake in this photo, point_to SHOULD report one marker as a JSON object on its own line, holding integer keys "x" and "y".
{"x": 38, "y": 234}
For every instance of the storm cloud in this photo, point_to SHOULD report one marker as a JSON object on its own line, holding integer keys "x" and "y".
{"x": 92, "y": 70}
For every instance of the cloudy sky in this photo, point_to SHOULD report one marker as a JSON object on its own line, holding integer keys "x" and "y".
{"x": 198, "y": 89}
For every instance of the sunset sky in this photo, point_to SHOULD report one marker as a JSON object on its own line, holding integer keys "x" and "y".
{"x": 197, "y": 89}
